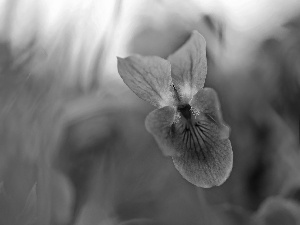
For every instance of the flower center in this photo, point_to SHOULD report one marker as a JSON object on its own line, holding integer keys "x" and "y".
{"x": 185, "y": 111}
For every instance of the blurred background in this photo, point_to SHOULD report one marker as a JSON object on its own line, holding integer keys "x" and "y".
{"x": 73, "y": 145}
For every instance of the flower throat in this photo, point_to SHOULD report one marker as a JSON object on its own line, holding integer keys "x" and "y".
{"x": 185, "y": 111}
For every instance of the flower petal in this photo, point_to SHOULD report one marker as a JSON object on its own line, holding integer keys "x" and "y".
{"x": 189, "y": 66}
{"x": 159, "y": 123}
{"x": 206, "y": 102}
{"x": 205, "y": 150}
{"x": 198, "y": 144}
{"x": 205, "y": 159}
{"x": 149, "y": 77}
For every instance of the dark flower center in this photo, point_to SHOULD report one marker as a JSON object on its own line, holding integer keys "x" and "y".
{"x": 185, "y": 111}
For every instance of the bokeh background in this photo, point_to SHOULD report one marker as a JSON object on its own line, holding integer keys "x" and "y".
{"x": 73, "y": 146}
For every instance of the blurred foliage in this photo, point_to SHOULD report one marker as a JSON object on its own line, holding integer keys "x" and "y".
{"x": 71, "y": 155}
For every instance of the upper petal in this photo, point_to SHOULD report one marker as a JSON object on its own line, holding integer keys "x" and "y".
{"x": 189, "y": 67}
{"x": 149, "y": 77}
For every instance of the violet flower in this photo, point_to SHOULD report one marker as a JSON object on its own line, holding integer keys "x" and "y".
{"x": 188, "y": 124}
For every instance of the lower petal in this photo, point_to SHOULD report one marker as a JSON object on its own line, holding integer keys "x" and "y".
{"x": 206, "y": 156}
{"x": 199, "y": 143}
{"x": 207, "y": 164}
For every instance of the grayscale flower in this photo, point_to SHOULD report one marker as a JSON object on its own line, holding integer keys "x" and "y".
{"x": 188, "y": 124}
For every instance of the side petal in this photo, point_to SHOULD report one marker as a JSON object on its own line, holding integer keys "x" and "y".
{"x": 206, "y": 156}
{"x": 206, "y": 103}
{"x": 149, "y": 77}
{"x": 189, "y": 67}
{"x": 159, "y": 123}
